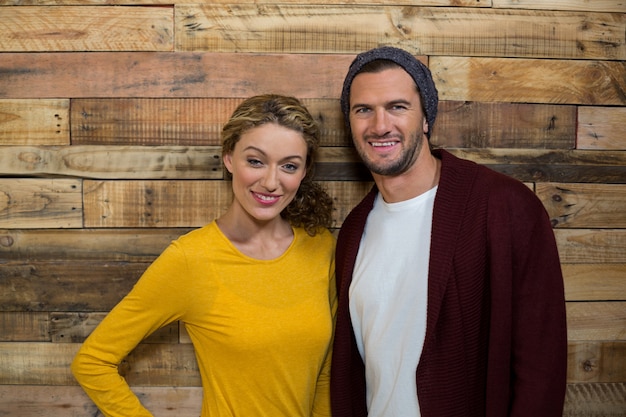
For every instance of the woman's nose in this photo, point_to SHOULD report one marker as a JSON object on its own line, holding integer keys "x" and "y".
{"x": 270, "y": 180}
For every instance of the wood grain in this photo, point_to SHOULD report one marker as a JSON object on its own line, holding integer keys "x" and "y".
{"x": 130, "y": 162}
{"x": 420, "y": 30}
{"x": 582, "y": 399}
{"x": 600, "y": 246}
{"x": 86, "y": 28}
{"x": 601, "y": 128}
{"x": 36, "y": 203}
{"x": 584, "y": 206}
{"x": 530, "y": 80}
{"x": 34, "y": 122}
{"x": 169, "y": 74}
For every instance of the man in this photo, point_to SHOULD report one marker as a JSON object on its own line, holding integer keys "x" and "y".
{"x": 451, "y": 298}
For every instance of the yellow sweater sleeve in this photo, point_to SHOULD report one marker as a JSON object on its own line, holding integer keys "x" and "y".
{"x": 140, "y": 313}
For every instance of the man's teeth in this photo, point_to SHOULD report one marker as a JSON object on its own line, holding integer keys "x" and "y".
{"x": 377, "y": 144}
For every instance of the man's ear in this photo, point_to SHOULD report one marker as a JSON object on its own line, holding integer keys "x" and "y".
{"x": 425, "y": 126}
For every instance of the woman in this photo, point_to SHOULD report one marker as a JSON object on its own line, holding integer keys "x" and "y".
{"x": 254, "y": 288}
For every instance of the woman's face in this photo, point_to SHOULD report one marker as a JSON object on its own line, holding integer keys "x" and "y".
{"x": 267, "y": 165}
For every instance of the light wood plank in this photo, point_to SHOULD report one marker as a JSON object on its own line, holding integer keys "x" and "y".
{"x": 596, "y": 321}
{"x": 152, "y": 364}
{"x": 86, "y": 28}
{"x": 456, "y": 3}
{"x": 594, "y": 282}
{"x": 169, "y": 74}
{"x": 530, "y": 80}
{"x": 591, "y": 245}
{"x": 157, "y": 364}
{"x": 618, "y": 6}
{"x": 584, "y": 205}
{"x": 601, "y": 128}
{"x": 71, "y": 401}
{"x": 183, "y": 203}
{"x": 129, "y": 162}
{"x": 596, "y": 361}
{"x": 69, "y": 245}
{"x": 34, "y": 122}
{"x": 421, "y": 30}
{"x": 37, "y": 203}
{"x": 583, "y": 399}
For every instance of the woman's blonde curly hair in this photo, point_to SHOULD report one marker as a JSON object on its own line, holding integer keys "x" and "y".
{"x": 312, "y": 207}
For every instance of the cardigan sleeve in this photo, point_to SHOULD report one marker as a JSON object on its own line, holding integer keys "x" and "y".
{"x": 537, "y": 305}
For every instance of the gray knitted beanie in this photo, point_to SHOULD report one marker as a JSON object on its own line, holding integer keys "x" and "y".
{"x": 418, "y": 71}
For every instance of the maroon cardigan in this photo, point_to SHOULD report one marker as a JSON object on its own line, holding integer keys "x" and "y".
{"x": 496, "y": 341}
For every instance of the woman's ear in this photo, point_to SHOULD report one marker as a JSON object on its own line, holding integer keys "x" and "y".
{"x": 228, "y": 162}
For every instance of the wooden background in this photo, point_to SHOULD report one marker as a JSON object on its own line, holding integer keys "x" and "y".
{"x": 110, "y": 113}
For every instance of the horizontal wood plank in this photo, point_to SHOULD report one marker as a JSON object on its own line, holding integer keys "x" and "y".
{"x": 586, "y": 246}
{"x": 601, "y": 128}
{"x": 34, "y": 122}
{"x": 184, "y": 121}
{"x": 421, "y": 30}
{"x": 169, "y": 74}
{"x": 596, "y": 321}
{"x": 165, "y": 364}
{"x": 182, "y": 203}
{"x": 73, "y": 327}
{"x": 36, "y": 203}
{"x": 583, "y": 399}
{"x": 584, "y": 205}
{"x": 24, "y": 326}
{"x": 69, "y": 245}
{"x": 86, "y": 28}
{"x": 456, "y": 3}
{"x": 129, "y": 162}
{"x": 530, "y": 80}
{"x": 596, "y": 361}
{"x": 72, "y": 401}
{"x": 618, "y": 6}
{"x": 462, "y": 124}
{"x": 594, "y": 282}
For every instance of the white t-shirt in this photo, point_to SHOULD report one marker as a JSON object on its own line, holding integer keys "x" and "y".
{"x": 388, "y": 297}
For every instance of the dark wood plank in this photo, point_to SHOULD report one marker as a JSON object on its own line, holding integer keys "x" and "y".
{"x": 56, "y": 286}
{"x": 502, "y": 125}
{"x": 24, "y": 326}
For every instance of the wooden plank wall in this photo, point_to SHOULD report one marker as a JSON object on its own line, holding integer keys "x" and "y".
{"x": 110, "y": 113}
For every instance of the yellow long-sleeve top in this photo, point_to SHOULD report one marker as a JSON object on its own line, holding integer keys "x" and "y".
{"x": 261, "y": 329}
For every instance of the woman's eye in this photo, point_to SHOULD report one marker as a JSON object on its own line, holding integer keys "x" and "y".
{"x": 254, "y": 162}
{"x": 291, "y": 167}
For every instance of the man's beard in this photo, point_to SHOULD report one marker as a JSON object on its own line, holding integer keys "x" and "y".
{"x": 407, "y": 157}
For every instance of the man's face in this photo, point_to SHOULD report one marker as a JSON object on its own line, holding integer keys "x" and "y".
{"x": 387, "y": 120}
